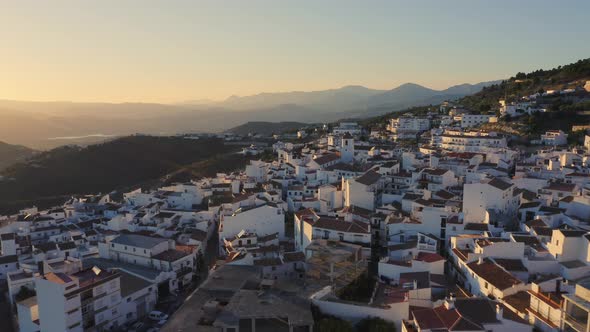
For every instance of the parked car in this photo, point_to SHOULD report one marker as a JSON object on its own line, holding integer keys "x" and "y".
{"x": 135, "y": 327}
{"x": 157, "y": 315}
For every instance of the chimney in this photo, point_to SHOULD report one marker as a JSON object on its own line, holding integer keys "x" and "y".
{"x": 558, "y": 286}
{"x": 41, "y": 268}
{"x": 480, "y": 260}
{"x": 499, "y": 312}
{"x": 450, "y": 302}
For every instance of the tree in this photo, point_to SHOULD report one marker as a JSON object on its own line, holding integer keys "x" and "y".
{"x": 24, "y": 293}
{"x": 333, "y": 325}
{"x": 375, "y": 324}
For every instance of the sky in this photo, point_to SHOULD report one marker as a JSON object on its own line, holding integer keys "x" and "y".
{"x": 175, "y": 51}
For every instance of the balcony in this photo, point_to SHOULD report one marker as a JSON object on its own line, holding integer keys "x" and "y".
{"x": 578, "y": 323}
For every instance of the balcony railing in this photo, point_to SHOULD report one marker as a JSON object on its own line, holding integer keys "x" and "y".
{"x": 577, "y": 323}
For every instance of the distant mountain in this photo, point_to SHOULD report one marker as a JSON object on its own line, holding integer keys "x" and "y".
{"x": 348, "y": 97}
{"x": 411, "y": 95}
{"x": 266, "y": 128}
{"x": 11, "y": 154}
{"x": 45, "y": 125}
{"x": 352, "y": 98}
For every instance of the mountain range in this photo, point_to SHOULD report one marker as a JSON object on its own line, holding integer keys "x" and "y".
{"x": 352, "y": 97}
{"x": 44, "y": 125}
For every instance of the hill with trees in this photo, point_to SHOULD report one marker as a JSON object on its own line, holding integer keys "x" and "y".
{"x": 266, "y": 128}
{"x": 11, "y": 154}
{"x": 523, "y": 84}
{"x": 51, "y": 177}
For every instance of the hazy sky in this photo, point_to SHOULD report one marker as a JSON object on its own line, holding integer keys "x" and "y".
{"x": 169, "y": 51}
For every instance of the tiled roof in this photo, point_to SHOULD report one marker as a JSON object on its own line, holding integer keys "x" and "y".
{"x": 493, "y": 274}
{"x": 369, "y": 178}
{"x": 497, "y": 183}
{"x": 341, "y": 225}
{"x": 140, "y": 241}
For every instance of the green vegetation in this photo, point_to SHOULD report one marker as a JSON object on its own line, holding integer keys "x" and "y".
{"x": 332, "y": 325}
{"x": 266, "y": 128}
{"x": 360, "y": 290}
{"x": 50, "y": 177}
{"x": 11, "y": 154}
{"x": 381, "y": 121}
{"x": 24, "y": 293}
{"x": 527, "y": 84}
{"x": 375, "y": 324}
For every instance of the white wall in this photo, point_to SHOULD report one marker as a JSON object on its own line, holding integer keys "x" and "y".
{"x": 356, "y": 312}
{"x": 262, "y": 220}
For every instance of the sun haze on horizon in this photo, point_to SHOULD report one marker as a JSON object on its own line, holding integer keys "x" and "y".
{"x": 167, "y": 52}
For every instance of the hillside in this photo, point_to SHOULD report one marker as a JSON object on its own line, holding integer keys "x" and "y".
{"x": 521, "y": 84}
{"x": 11, "y": 154}
{"x": 563, "y": 111}
{"x": 52, "y": 176}
{"x": 266, "y": 128}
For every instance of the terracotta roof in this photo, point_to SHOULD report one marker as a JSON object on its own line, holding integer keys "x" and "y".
{"x": 369, "y": 178}
{"x": 472, "y": 226}
{"x": 535, "y": 223}
{"x": 341, "y": 225}
{"x": 511, "y": 264}
{"x": 519, "y": 301}
{"x": 170, "y": 255}
{"x": 444, "y": 194}
{"x": 529, "y": 205}
{"x": 297, "y": 256}
{"x": 493, "y": 274}
{"x": 327, "y": 158}
{"x": 569, "y": 187}
{"x": 429, "y": 257}
{"x": 436, "y": 171}
{"x": 572, "y": 232}
{"x": 497, "y": 183}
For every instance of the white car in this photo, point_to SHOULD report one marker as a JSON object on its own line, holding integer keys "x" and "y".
{"x": 157, "y": 315}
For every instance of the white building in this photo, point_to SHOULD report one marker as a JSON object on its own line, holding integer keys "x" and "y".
{"x": 351, "y": 128}
{"x": 261, "y": 220}
{"x": 495, "y": 196}
{"x": 469, "y": 142}
{"x": 472, "y": 120}
{"x": 156, "y": 253}
{"x": 361, "y": 190}
{"x": 408, "y": 124}
{"x": 554, "y": 137}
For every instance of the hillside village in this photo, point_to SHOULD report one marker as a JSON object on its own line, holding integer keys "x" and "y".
{"x": 424, "y": 222}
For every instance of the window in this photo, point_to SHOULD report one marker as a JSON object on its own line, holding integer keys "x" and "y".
{"x": 112, "y": 245}
{"x": 486, "y": 285}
